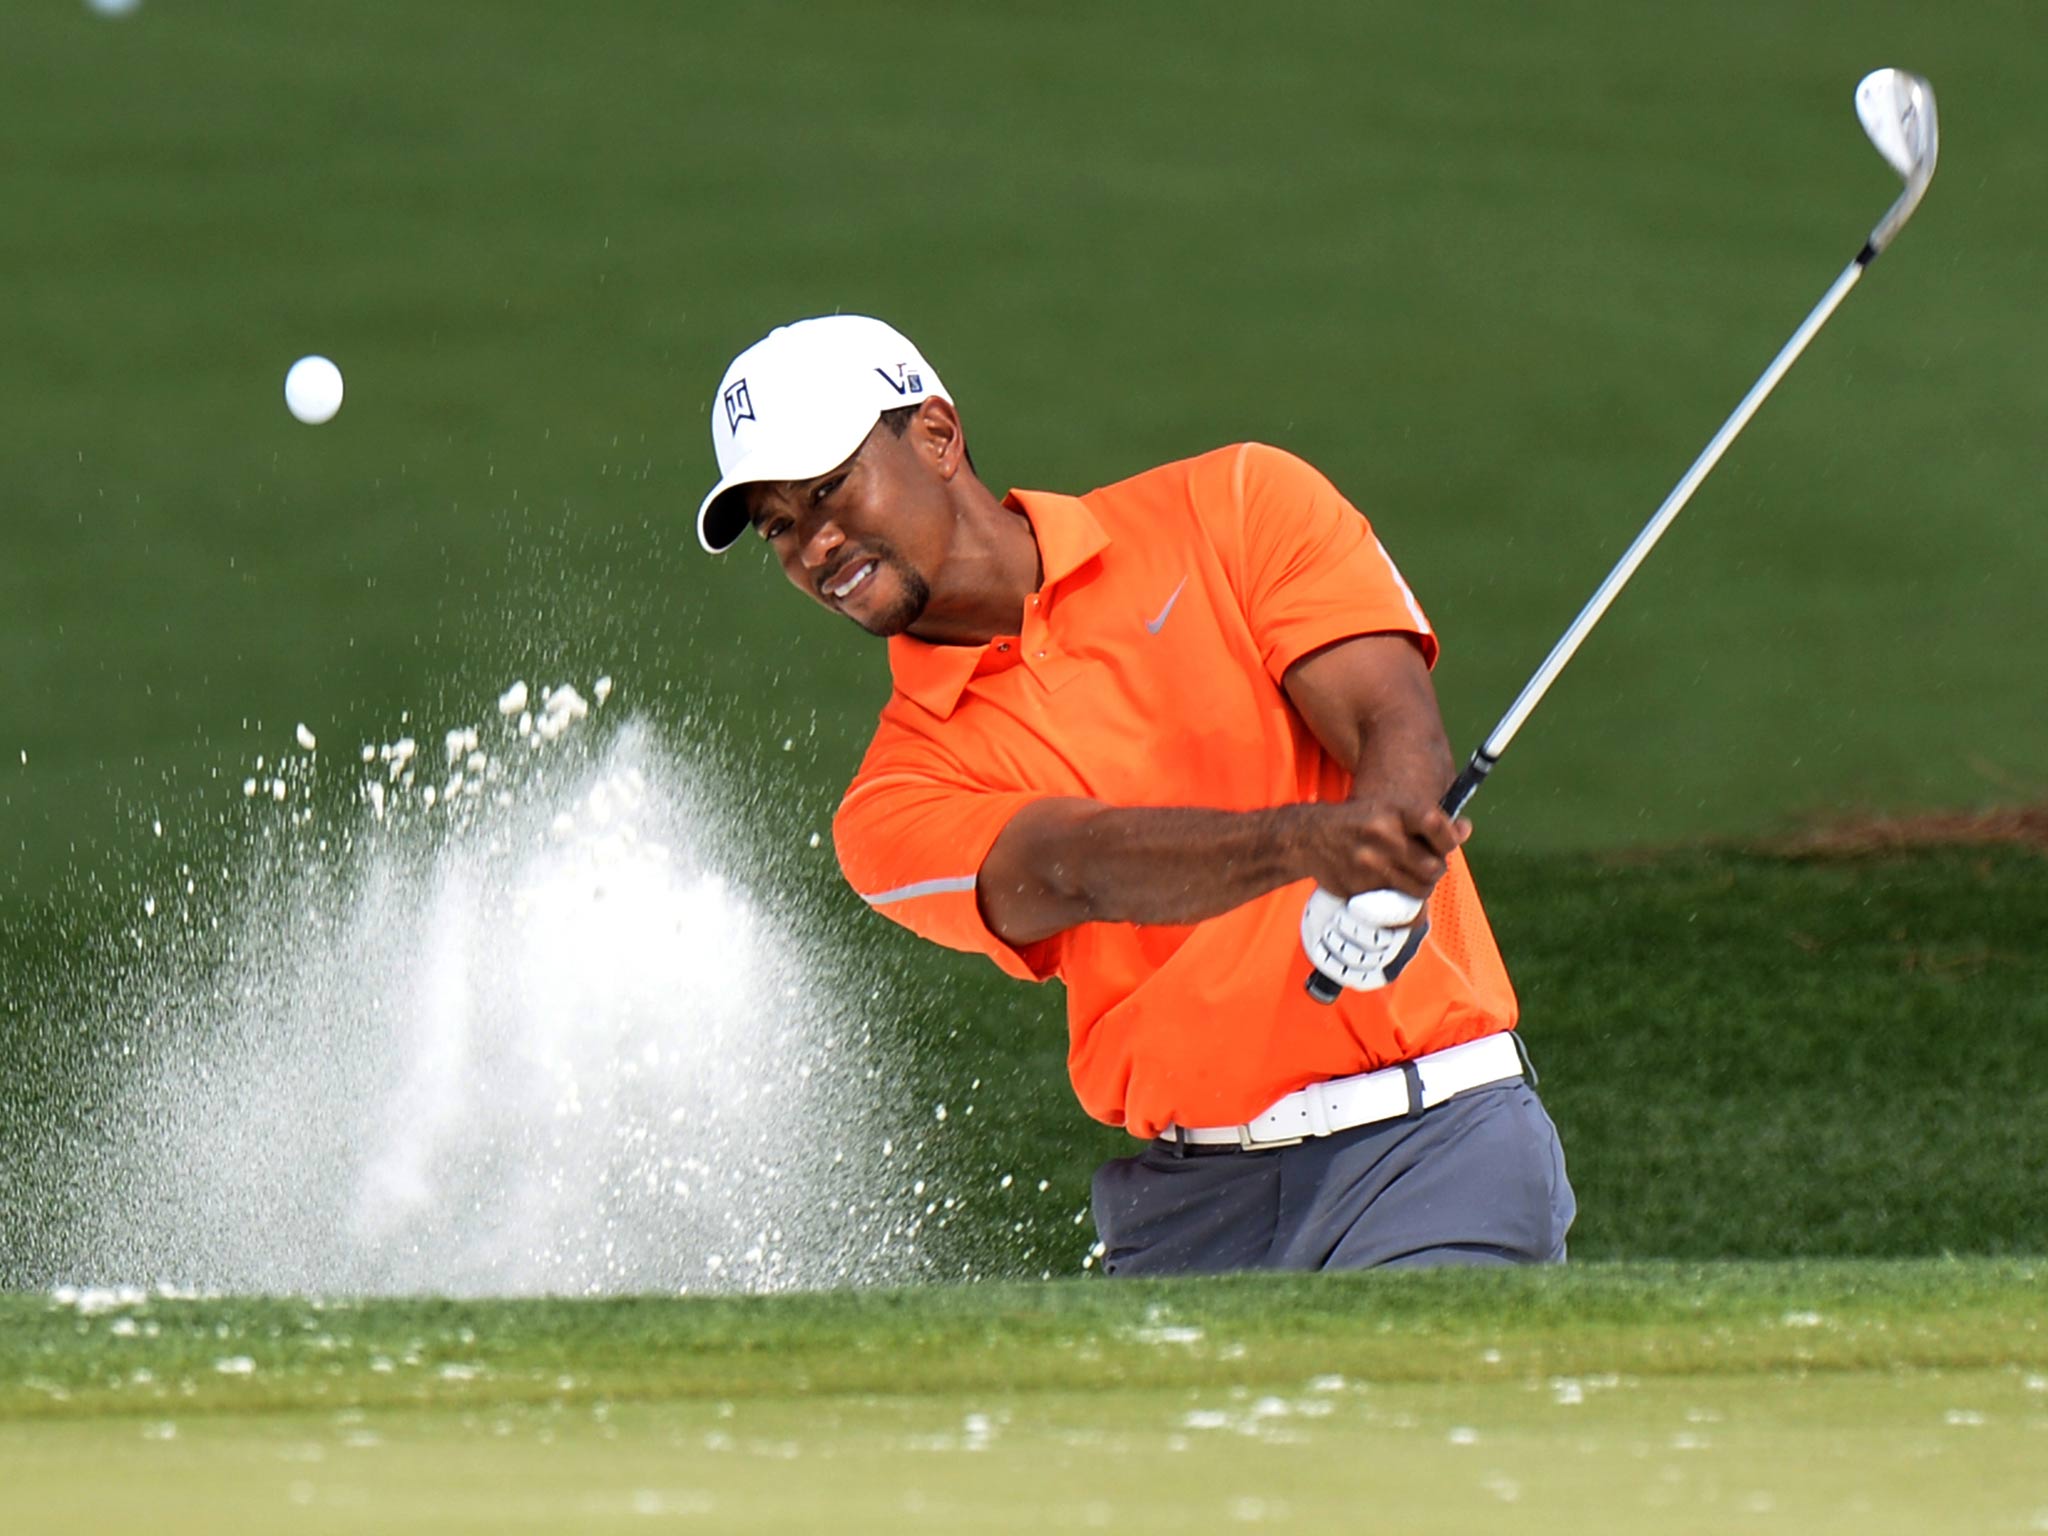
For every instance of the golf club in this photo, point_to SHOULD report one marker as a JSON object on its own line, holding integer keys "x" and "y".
{"x": 1897, "y": 111}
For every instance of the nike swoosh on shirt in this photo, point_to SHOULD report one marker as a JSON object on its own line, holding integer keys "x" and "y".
{"x": 1156, "y": 625}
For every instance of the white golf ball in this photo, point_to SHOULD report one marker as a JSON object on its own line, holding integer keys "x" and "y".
{"x": 312, "y": 389}
{"x": 113, "y": 7}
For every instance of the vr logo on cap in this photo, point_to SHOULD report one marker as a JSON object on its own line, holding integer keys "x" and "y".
{"x": 907, "y": 381}
{"x": 739, "y": 406}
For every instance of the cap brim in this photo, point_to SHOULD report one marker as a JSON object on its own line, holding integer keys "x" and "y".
{"x": 722, "y": 516}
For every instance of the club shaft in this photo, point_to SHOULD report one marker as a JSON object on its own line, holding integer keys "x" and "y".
{"x": 1909, "y": 142}
{"x": 1568, "y": 645}
{"x": 1321, "y": 987}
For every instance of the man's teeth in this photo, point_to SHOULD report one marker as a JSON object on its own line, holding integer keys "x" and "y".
{"x": 859, "y": 575}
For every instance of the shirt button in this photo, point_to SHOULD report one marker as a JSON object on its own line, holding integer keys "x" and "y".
{"x": 1004, "y": 646}
{"x": 1041, "y": 655}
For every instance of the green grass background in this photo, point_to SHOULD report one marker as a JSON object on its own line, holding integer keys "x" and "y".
{"x": 1498, "y": 269}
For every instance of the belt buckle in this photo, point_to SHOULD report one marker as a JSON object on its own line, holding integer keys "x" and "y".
{"x": 1246, "y": 1142}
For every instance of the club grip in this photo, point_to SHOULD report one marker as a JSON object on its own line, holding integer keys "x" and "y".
{"x": 1467, "y": 783}
{"x": 1325, "y": 991}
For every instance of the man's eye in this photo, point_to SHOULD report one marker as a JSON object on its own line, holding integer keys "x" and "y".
{"x": 825, "y": 488}
{"x": 775, "y": 529}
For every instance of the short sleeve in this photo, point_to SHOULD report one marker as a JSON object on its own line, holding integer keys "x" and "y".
{"x": 1312, "y": 570}
{"x": 911, "y": 835}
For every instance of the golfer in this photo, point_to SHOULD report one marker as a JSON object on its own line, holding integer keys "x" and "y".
{"x": 1174, "y": 743}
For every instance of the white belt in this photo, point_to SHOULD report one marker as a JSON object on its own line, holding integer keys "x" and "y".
{"x": 1344, "y": 1103}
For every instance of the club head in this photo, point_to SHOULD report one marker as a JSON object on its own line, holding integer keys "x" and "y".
{"x": 1896, "y": 107}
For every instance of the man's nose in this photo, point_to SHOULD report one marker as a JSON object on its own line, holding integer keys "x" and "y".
{"x": 825, "y": 538}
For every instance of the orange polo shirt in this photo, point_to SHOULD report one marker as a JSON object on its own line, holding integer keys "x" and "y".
{"x": 1148, "y": 673}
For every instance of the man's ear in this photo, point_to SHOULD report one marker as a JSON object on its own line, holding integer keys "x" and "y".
{"x": 939, "y": 436}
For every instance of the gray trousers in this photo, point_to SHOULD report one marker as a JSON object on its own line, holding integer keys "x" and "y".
{"x": 1479, "y": 1179}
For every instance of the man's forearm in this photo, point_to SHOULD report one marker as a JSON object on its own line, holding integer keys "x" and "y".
{"x": 1060, "y": 863}
{"x": 1406, "y": 764}
{"x": 1370, "y": 703}
{"x": 1166, "y": 864}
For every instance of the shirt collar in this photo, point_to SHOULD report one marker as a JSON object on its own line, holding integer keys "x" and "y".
{"x": 1068, "y": 535}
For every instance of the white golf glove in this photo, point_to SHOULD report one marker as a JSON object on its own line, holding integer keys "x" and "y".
{"x": 1356, "y": 942}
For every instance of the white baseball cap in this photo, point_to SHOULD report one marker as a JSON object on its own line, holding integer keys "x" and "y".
{"x": 798, "y": 402}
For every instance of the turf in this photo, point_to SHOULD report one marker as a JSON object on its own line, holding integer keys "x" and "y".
{"x": 1818, "y": 1396}
{"x": 1860, "y": 1453}
{"x": 71, "y": 1353}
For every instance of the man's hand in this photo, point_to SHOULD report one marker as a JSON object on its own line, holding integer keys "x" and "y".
{"x": 1354, "y": 942}
{"x": 1366, "y": 845}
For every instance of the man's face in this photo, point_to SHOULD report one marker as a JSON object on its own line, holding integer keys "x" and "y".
{"x": 863, "y": 539}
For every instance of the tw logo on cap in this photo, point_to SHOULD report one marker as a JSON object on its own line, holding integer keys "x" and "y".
{"x": 739, "y": 406}
{"x": 907, "y": 380}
